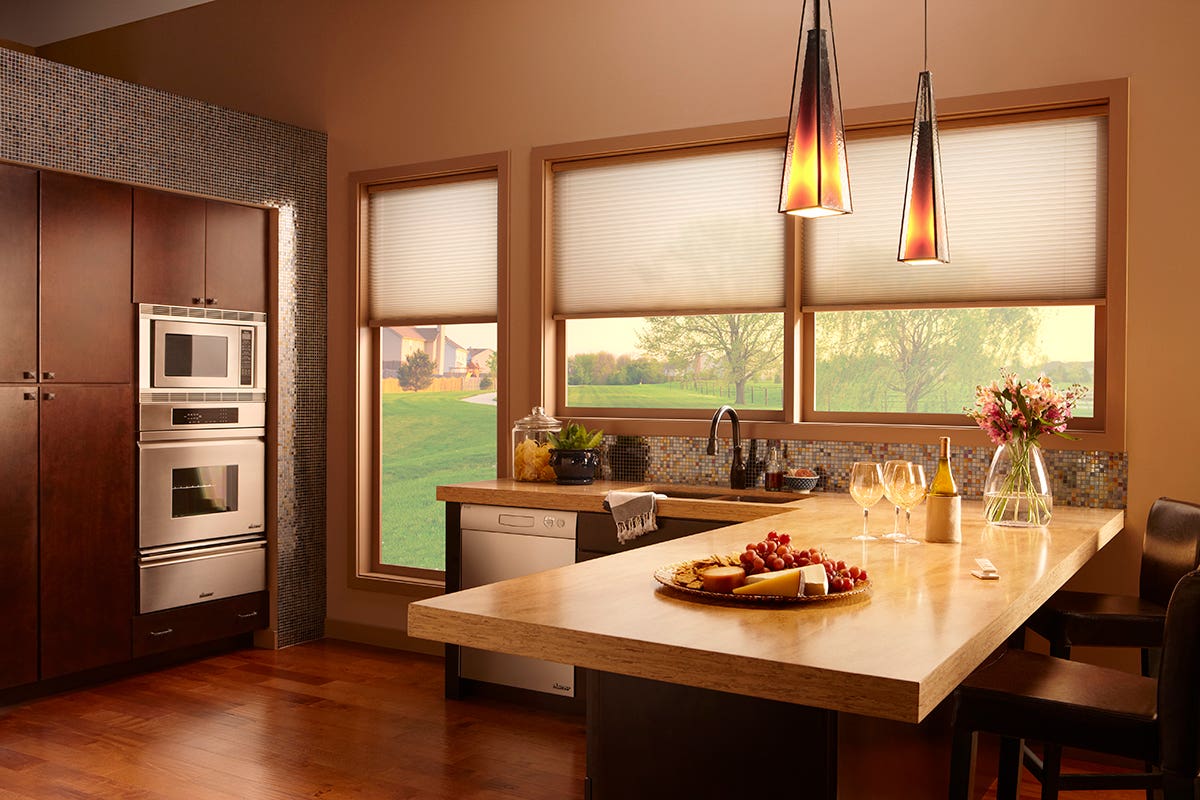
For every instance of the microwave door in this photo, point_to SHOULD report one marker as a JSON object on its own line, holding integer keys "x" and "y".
{"x": 202, "y": 489}
{"x": 189, "y": 355}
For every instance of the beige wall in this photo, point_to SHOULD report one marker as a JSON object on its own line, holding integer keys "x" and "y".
{"x": 402, "y": 82}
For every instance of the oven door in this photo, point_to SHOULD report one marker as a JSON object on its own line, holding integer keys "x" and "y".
{"x": 204, "y": 355}
{"x": 200, "y": 488}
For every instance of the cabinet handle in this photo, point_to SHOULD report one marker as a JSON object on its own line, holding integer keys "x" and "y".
{"x": 29, "y": 376}
{"x": 48, "y": 396}
{"x": 248, "y": 616}
{"x": 163, "y": 632}
{"x": 212, "y": 301}
{"x": 48, "y": 376}
{"x": 31, "y": 395}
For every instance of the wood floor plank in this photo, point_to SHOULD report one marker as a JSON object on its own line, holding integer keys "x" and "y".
{"x": 326, "y": 720}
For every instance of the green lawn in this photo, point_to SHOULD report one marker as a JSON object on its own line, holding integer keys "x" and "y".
{"x": 674, "y": 395}
{"x": 428, "y": 438}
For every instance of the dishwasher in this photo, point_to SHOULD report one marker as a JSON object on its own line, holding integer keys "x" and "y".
{"x": 499, "y": 543}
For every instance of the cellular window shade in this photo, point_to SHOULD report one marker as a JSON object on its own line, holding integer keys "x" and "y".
{"x": 1026, "y": 209}
{"x": 432, "y": 252}
{"x": 691, "y": 233}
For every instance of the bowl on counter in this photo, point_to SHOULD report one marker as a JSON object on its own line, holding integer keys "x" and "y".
{"x": 800, "y": 483}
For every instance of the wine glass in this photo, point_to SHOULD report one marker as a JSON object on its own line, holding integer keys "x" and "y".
{"x": 866, "y": 487}
{"x": 889, "y": 469}
{"x": 908, "y": 485}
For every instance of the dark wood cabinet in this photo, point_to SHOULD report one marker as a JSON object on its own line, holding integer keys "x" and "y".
{"x": 188, "y": 251}
{"x": 235, "y": 256}
{"x": 19, "y": 534}
{"x": 87, "y": 320}
{"x": 168, "y": 248}
{"x": 204, "y": 622}
{"x": 87, "y": 526}
{"x": 18, "y": 274}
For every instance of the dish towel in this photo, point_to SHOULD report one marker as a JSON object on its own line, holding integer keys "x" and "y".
{"x": 633, "y": 512}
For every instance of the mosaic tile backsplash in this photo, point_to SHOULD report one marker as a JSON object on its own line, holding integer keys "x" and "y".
{"x": 62, "y": 118}
{"x": 1091, "y": 478}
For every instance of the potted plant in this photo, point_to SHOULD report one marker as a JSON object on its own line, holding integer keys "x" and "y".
{"x": 573, "y": 454}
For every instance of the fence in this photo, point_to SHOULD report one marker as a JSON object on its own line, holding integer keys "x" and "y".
{"x": 467, "y": 384}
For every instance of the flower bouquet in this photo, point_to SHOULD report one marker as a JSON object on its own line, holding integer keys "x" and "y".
{"x": 1014, "y": 414}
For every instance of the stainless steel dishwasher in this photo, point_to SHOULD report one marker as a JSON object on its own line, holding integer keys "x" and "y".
{"x": 498, "y": 543}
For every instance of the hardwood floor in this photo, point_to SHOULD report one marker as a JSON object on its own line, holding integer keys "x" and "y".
{"x": 327, "y": 719}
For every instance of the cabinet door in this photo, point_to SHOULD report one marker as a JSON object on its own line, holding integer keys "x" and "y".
{"x": 87, "y": 320}
{"x": 87, "y": 530}
{"x": 19, "y": 534}
{"x": 235, "y": 266}
{"x": 18, "y": 274}
{"x": 168, "y": 248}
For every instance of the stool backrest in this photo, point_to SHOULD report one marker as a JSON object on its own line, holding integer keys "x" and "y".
{"x": 1179, "y": 681}
{"x": 1170, "y": 549}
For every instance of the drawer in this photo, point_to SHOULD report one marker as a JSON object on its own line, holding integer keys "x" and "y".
{"x": 201, "y": 575}
{"x": 203, "y": 622}
{"x": 597, "y": 533}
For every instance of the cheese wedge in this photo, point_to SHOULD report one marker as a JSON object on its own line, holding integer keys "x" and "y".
{"x": 722, "y": 579}
{"x": 762, "y": 576}
{"x": 815, "y": 579}
{"x": 779, "y": 584}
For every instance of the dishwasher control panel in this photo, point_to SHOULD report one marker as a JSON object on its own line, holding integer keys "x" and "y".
{"x": 527, "y": 521}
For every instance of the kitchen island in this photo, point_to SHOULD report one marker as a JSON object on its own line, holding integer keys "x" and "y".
{"x": 826, "y": 671}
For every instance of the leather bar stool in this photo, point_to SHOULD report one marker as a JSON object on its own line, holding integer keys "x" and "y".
{"x": 1170, "y": 548}
{"x": 1023, "y": 695}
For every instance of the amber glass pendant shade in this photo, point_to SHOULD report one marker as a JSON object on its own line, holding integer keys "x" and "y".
{"x": 816, "y": 181}
{"x": 923, "y": 237}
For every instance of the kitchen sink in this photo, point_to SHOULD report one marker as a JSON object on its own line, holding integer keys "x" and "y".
{"x": 722, "y": 494}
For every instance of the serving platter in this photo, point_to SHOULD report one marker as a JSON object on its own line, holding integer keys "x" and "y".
{"x": 668, "y": 576}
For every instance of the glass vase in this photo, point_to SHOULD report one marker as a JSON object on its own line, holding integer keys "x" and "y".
{"x": 1017, "y": 489}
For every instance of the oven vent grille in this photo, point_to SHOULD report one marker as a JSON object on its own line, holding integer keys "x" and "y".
{"x": 189, "y": 312}
{"x": 202, "y": 397}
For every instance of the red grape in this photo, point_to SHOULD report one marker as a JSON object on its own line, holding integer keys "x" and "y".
{"x": 761, "y": 548}
{"x": 854, "y": 572}
{"x": 841, "y": 565}
{"x": 772, "y": 536}
{"x": 785, "y": 539}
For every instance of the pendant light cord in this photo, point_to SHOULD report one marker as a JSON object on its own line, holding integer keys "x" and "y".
{"x": 927, "y": 35}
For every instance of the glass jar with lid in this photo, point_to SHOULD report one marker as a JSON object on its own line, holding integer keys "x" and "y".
{"x": 531, "y": 446}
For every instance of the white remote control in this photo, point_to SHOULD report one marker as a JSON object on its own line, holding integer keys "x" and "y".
{"x": 987, "y": 570}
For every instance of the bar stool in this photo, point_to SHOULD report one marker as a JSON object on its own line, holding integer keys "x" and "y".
{"x": 1170, "y": 548}
{"x": 1023, "y": 695}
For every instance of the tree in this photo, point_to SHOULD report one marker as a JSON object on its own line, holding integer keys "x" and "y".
{"x": 916, "y": 353}
{"x": 741, "y": 345}
{"x": 416, "y": 373}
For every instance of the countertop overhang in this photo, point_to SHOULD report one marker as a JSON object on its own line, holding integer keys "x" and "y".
{"x": 894, "y": 653}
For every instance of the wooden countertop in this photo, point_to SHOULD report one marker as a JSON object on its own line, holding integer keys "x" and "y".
{"x": 894, "y": 653}
{"x": 523, "y": 494}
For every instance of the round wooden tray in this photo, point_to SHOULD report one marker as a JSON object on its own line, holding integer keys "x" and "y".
{"x": 666, "y": 576}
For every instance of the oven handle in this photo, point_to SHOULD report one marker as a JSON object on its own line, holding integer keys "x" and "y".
{"x": 206, "y": 433}
{"x": 199, "y": 555}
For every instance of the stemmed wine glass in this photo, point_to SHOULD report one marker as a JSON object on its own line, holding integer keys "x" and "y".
{"x": 866, "y": 487}
{"x": 889, "y": 469}
{"x": 908, "y": 486}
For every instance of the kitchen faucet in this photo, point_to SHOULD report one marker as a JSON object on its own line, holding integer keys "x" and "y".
{"x": 737, "y": 470}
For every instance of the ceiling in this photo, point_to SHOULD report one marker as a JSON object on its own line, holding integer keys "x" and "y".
{"x": 34, "y": 23}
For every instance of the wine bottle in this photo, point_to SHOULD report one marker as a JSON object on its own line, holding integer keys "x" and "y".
{"x": 943, "y": 479}
{"x": 943, "y": 511}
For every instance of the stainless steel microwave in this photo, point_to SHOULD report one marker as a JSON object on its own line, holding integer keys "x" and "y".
{"x": 202, "y": 349}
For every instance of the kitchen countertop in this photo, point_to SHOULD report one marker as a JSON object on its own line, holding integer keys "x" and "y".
{"x": 524, "y": 494}
{"x": 893, "y": 653}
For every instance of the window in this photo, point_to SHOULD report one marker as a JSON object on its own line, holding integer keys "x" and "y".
{"x": 676, "y": 286}
{"x": 1025, "y": 289}
{"x": 430, "y": 240}
{"x": 670, "y": 280}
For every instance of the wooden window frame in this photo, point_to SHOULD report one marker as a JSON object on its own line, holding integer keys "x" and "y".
{"x": 798, "y": 421}
{"x": 367, "y": 571}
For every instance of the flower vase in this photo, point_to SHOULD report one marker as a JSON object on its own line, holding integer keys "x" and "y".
{"x": 1017, "y": 489}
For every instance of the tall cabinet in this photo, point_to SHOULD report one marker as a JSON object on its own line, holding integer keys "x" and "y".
{"x": 66, "y": 423}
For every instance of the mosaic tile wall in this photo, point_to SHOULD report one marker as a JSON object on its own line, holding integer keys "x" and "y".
{"x": 1080, "y": 477}
{"x": 62, "y": 118}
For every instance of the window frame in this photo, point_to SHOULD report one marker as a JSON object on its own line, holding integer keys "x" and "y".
{"x": 798, "y": 420}
{"x": 367, "y": 569}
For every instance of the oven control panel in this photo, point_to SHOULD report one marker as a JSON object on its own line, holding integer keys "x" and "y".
{"x": 222, "y": 415}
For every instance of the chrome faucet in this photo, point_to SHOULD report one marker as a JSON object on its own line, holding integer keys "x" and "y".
{"x": 737, "y": 469}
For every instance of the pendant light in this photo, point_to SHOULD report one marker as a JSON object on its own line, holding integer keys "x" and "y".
{"x": 923, "y": 237}
{"x": 816, "y": 182}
